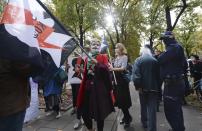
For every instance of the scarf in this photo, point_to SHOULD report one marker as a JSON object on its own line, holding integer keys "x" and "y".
{"x": 90, "y": 65}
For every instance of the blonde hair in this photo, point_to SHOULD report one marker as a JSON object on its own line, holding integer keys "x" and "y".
{"x": 122, "y": 48}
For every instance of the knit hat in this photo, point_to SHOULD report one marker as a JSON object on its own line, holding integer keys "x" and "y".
{"x": 167, "y": 35}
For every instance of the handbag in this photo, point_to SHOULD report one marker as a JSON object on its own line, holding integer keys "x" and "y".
{"x": 126, "y": 76}
{"x": 60, "y": 76}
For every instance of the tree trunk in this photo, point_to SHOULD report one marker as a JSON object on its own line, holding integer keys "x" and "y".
{"x": 151, "y": 39}
{"x": 168, "y": 19}
{"x": 171, "y": 27}
{"x": 81, "y": 35}
{"x": 117, "y": 33}
{"x": 187, "y": 52}
{"x": 122, "y": 32}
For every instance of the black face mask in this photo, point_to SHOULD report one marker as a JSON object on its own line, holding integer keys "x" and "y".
{"x": 169, "y": 41}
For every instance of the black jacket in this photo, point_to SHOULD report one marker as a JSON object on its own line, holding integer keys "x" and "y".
{"x": 172, "y": 61}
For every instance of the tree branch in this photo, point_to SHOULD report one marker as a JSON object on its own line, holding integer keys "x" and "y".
{"x": 178, "y": 16}
{"x": 88, "y": 27}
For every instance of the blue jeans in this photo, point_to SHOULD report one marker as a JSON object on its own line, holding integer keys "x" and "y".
{"x": 148, "y": 104}
{"x": 12, "y": 122}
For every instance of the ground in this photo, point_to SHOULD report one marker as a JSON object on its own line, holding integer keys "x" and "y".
{"x": 192, "y": 117}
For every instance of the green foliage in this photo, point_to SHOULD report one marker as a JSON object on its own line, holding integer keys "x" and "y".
{"x": 187, "y": 31}
{"x": 154, "y": 20}
{"x": 127, "y": 24}
{"x": 134, "y": 21}
{"x": 78, "y": 16}
{"x": 2, "y": 4}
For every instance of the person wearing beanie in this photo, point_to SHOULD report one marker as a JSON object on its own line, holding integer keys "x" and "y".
{"x": 172, "y": 67}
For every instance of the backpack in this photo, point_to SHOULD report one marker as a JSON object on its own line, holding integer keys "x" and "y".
{"x": 60, "y": 76}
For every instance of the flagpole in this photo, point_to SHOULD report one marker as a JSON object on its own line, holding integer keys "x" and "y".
{"x": 110, "y": 59}
{"x": 65, "y": 30}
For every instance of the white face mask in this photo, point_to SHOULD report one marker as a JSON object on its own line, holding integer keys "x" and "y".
{"x": 95, "y": 46}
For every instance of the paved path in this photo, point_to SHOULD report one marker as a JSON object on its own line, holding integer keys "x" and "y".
{"x": 193, "y": 117}
{"x": 193, "y": 120}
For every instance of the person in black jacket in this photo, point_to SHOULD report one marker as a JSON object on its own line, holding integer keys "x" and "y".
{"x": 196, "y": 73}
{"x": 172, "y": 73}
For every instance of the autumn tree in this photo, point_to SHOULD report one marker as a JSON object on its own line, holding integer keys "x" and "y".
{"x": 79, "y": 15}
{"x": 186, "y": 30}
{"x": 2, "y": 4}
{"x": 127, "y": 23}
{"x": 154, "y": 20}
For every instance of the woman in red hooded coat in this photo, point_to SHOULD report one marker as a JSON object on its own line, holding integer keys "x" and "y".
{"x": 94, "y": 99}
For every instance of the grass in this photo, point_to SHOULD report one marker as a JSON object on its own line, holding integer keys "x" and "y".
{"x": 193, "y": 101}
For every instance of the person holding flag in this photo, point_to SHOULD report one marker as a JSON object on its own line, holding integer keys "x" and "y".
{"x": 94, "y": 98}
{"x": 14, "y": 94}
{"x": 28, "y": 34}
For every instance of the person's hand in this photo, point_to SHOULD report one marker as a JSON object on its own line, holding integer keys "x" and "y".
{"x": 94, "y": 61}
{"x": 77, "y": 69}
{"x": 67, "y": 66}
{"x": 110, "y": 67}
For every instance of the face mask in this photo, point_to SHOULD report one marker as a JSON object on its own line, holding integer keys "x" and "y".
{"x": 95, "y": 46}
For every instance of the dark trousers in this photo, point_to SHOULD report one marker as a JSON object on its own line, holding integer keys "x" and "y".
{"x": 86, "y": 114}
{"x": 148, "y": 104}
{"x": 75, "y": 90}
{"x": 89, "y": 123}
{"x": 173, "y": 95}
{"x": 53, "y": 103}
{"x": 78, "y": 114}
{"x": 127, "y": 117}
{"x": 12, "y": 122}
{"x": 46, "y": 103}
{"x": 197, "y": 86}
{"x": 56, "y": 108}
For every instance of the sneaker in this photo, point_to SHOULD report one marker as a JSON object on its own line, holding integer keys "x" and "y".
{"x": 47, "y": 110}
{"x": 130, "y": 119}
{"x": 58, "y": 116}
{"x": 122, "y": 121}
{"x": 49, "y": 113}
{"x": 126, "y": 125}
{"x": 77, "y": 125}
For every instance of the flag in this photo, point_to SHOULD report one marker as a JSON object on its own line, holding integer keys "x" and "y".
{"x": 30, "y": 33}
{"x": 104, "y": 45}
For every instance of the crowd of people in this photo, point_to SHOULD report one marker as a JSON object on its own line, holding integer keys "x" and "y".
{"x": 103, "y": 85}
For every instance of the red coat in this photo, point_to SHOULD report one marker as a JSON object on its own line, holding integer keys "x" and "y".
{"x": 100, "y": 101}
{"x": 101, "y": 58}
